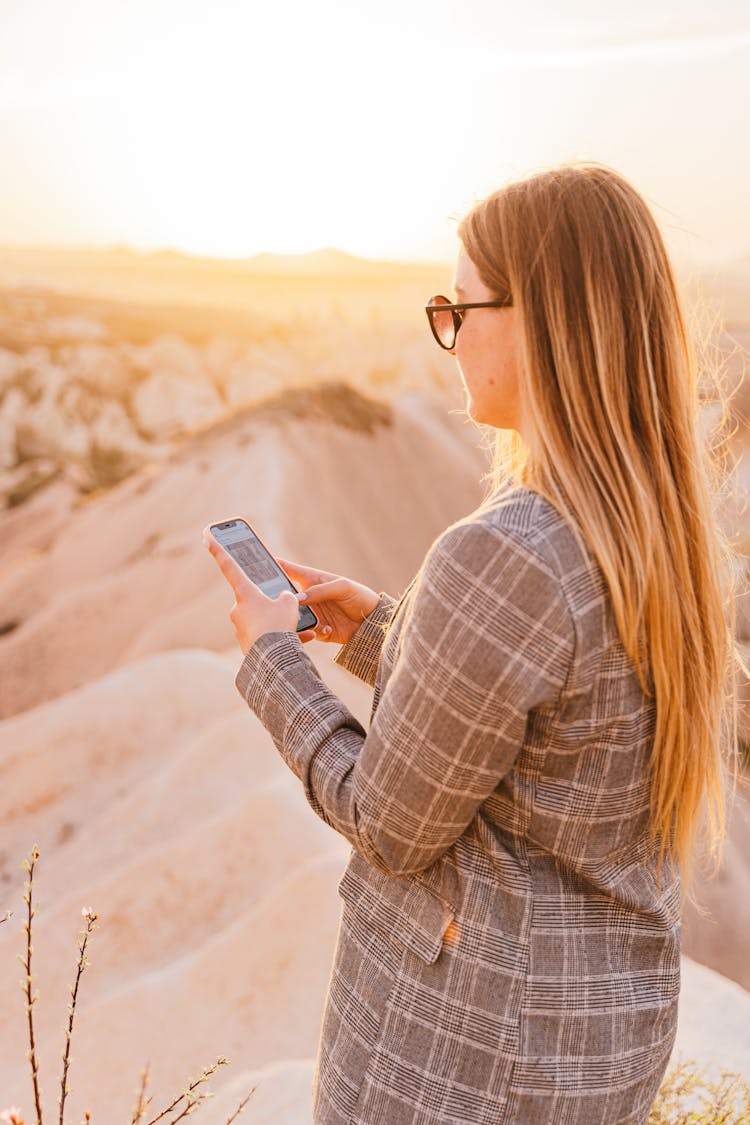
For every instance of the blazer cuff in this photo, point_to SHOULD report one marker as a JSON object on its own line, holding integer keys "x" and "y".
{"x": 282, "y": 686}
{"x": 361, "y": 653}
{"x": 279, "y": 682}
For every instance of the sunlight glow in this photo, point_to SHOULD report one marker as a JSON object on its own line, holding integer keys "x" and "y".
{"x": 241, "y": 128}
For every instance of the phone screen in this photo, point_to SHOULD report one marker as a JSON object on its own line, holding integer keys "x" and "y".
{"x": 239, "y": 539}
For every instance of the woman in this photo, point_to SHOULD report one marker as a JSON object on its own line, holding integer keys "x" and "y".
{"x": 552, "y": 697}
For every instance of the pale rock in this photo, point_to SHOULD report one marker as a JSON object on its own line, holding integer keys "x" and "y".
{"x": 44, "y": 431}
{"x": 218, "y": 356}
{"x": 36, "y": 356}
{"x": 10, "y": 366}
{"x": 78, "y": 404}
{"x": 167, "y": 404}
{"x": 172, "y": 354}
{"x": 75, "y": 328}
{"x": 239, "y": 377}
{"x": 113, "y": 430}
{"x": 12, "y": 409}
{"x": 43, "y": 380}
{"x": 103, "y": 370}
{"x": 278, "y": 359}
{"x": 245, "y": 384}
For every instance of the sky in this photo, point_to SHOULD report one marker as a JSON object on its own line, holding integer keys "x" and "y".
{"x": 231, "y": 128}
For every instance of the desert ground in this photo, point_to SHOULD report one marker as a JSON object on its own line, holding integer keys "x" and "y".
{"x": 143, "y": 397}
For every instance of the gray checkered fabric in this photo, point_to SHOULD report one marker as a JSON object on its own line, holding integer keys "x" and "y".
{"x": 504, "y": 953}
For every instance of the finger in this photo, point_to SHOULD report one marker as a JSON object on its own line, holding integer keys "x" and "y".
{"x": 322, "y": 591}
{"x": 305, "y": 575}
{"x": 228, "y": 566}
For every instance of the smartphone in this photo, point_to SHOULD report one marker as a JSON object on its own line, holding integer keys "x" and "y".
{"x": 246, "y": 547}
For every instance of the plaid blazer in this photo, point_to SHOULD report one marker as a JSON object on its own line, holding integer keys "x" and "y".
{"x": 504, "y": 953}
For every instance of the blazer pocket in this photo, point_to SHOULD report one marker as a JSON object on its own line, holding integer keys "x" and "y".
{"x": 397, "y": 907}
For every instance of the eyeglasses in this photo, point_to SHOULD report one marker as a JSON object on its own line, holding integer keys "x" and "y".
{"x": 446, "y": 318}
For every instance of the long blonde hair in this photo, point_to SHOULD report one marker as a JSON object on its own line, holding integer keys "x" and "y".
{"x": 609, "y": 380}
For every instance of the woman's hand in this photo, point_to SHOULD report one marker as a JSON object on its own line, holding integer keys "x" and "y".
{"x": 253, "y": 612}
{"x": 339, "y": 603}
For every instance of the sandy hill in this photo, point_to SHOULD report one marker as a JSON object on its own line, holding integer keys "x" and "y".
{"x": 155, "y": 795}
{"x": 350, "y": 486}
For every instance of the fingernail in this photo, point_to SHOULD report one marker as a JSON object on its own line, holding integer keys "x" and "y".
{"x": 302, "y": 595}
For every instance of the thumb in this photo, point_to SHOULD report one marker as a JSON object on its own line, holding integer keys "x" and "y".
{"x": 321, "y": 591}
{"x": 287, "y": 596}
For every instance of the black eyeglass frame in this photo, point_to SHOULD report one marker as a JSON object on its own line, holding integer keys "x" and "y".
{"x": 457, "y": 311}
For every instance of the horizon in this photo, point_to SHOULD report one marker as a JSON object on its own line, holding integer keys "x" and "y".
{"x": 682, "y": 259}
{"x": 173, "y": 251}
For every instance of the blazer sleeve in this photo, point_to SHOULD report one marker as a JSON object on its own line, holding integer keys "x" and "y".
{"x": 488, "y": 636}
{"x": 361, "y": 653}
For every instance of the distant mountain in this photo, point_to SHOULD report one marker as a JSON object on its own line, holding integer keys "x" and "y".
{"x": 326, "y": 261}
